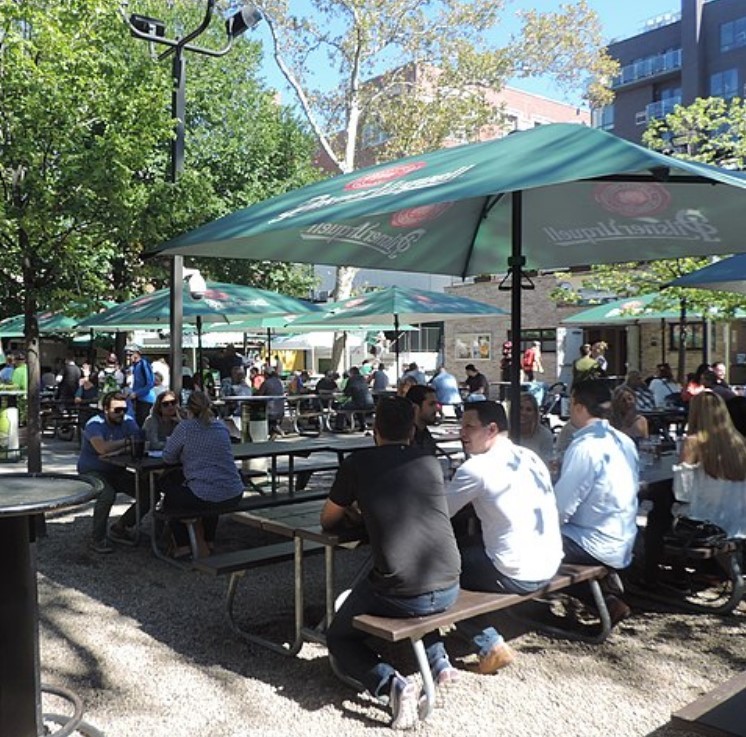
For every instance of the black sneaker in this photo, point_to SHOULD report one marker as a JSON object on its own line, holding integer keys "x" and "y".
{"x": 100, "y": 546}
{"x": 121, "y": 535}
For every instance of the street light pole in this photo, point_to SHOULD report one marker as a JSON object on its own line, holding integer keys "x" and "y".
{"x": 154, "y": 31}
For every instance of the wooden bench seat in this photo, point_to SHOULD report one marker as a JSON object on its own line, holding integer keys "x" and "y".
{"x": 718, "y": 713}
{"x": 475, "y": 603}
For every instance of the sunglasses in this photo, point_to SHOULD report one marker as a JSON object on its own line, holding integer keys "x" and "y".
{"x": 168, "y": 403}
{"x": 118, "y": 410}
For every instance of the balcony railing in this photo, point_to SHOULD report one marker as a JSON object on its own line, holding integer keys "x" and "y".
{"x": 658, "y": 109}
{"x": 649, "y": 67}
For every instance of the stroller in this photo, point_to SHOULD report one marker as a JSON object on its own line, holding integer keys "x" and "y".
{"x": 554, "y": 409}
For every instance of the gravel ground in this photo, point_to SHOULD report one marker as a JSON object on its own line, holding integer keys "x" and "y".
{"x": 146, "y": 647}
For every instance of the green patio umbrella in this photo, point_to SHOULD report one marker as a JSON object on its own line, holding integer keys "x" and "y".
{"x": 399, "y": 303}
{"x": 49, "y": 322}
{"x": 624, "y": 312}
{"x": 554, "y": 196}
{"x": 220, "y": 302}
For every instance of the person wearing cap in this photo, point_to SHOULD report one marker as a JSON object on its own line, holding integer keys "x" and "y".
{"x": 143, "y": 381}
{"x": 476, "y": 383}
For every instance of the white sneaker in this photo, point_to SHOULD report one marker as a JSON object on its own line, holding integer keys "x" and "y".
{"x": 404, "y": 700}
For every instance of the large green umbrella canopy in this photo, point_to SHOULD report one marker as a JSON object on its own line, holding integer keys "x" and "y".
{"x": 551, "y": 197}
{"x": 220, "y": 303}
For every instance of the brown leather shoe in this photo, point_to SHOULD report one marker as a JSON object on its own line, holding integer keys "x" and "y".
{"x": 498, "y": 657}
{"x": 618, "y": 610}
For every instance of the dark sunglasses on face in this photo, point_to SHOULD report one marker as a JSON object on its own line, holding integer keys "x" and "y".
{"x": 118, "y": 410}
{"x": 168, "y": 403}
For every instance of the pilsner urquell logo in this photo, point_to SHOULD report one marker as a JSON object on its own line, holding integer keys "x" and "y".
{"x": 388, "y": 174}
{"x": 642, "y": 204}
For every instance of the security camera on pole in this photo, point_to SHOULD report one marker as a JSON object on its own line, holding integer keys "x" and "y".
{"x": 154, "y": 31}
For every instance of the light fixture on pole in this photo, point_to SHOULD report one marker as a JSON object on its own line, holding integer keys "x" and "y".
{"x": 153, "y": 30}
{"x": 197, "y": 290}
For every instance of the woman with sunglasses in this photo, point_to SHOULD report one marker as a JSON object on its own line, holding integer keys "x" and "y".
{"x": 210, "y": 484}
{"x": 162, "y": 420}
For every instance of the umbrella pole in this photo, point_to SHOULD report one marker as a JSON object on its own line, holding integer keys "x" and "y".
{"x": 396, "y": 337}
{"x": 269, "y": 347}
{"x": 663, "y": 340}
{"x": 201, "y": 370}
{"x": 516, "y": 262}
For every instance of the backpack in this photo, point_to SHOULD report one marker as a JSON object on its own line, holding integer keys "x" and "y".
{"x": 527, "y": 361}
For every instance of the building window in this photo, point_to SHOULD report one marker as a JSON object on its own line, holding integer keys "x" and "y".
{"x": 373, "y": 135}
{"x": 425, "y": 340}
{"x": 724, "y": 84}
{"x": 603, "y": 118}
{"x": 733, "y": 34}
{"x": 546, "y": 336}
{"x": 649, "y": 66}
{"x": 694, "y": 337}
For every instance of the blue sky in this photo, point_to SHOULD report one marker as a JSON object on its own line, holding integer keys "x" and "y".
{"x": 620, "y": 19}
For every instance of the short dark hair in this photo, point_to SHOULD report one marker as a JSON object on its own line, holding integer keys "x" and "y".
{"x": 394, "y": 418}
{"x": 418, "y": 392}
{"x": 109, "y": 397}
{"x": 489, "y": 411}
{"x": 470, "y": 367}
{"x": 594, "y": 395}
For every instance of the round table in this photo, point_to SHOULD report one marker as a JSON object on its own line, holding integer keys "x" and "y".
{"x": 22, "y": 497}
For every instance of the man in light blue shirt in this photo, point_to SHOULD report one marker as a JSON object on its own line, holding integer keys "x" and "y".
{"x": 597, "y": 489}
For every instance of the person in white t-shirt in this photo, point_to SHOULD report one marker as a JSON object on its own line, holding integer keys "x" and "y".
{"x": 663, "y": 385}
{"x": 520, "y": 548}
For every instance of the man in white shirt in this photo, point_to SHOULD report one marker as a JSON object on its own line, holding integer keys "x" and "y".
{"x": 520, "y": 547}
{"x": 597, "y": 489}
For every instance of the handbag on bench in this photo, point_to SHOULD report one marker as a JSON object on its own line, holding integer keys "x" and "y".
{"x": 692, "y": 533}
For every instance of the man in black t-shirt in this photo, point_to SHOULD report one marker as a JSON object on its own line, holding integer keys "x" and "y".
{"x": 477, "y": 384}
{"x": 425, "y": 412}
{"x": 400, "y": 493}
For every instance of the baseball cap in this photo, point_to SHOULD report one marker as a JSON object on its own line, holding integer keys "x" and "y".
{"x": 132, "y": 348}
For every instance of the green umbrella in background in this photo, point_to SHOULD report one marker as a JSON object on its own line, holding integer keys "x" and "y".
{"x": 219, "y": 303}
{"x": 395, "y": 304}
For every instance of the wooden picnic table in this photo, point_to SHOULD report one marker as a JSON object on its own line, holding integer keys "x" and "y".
{"x": 300, "y": 523}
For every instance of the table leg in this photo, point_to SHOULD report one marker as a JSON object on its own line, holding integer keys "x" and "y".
{"x": 291, "y": 472}
{"x": 20, "y": 688}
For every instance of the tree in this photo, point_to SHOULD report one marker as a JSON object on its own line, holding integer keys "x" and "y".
{"x": 709, "y": 130}
{"x": 71, "y": 136}
{"x": 84, "y": 131}
{"x": 414, "y": 74}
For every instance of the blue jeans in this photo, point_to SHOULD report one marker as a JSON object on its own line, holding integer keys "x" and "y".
{"x": 116, "y": 481}
{"x": 479, "y": 574}
{"x": 349, "y": 647}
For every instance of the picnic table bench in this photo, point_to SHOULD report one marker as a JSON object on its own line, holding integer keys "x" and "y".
{"x": 718, "y": 713}
{"x": 475, "y": 603}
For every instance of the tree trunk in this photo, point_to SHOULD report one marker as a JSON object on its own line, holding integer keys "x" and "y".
{"x": 342, "y": 289}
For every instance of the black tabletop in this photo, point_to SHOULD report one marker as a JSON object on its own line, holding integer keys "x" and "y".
{"x": 34, "y": 493}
